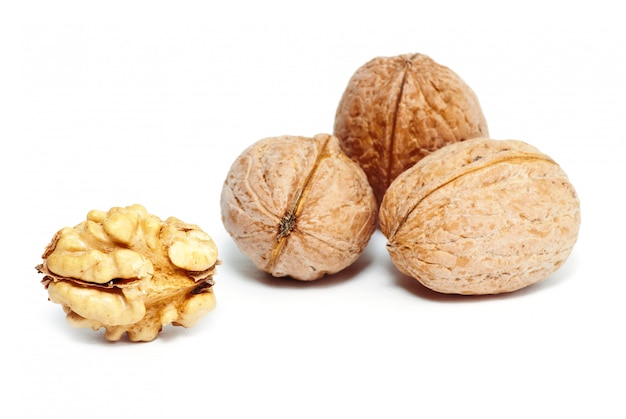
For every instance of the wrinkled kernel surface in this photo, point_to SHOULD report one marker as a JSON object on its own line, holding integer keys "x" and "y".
{"x": 128, "y": 271}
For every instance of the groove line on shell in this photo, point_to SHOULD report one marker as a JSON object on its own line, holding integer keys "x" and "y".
{"x": 390, "y": 154}
{"x": 479, "y": 165}
{"x": 289, "y": 220}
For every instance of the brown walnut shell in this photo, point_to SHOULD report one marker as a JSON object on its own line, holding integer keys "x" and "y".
{"x": 396, "y": 110}
{"x": 298, "y": 206}
{"x": 481, "y": 217}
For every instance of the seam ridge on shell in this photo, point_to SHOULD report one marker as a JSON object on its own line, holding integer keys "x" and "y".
{"x": 289, "y": 220}
{"x": 392, "y": 139}
{"x": 480, "y": 164}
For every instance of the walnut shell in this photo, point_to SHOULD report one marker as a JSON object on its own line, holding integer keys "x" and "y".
{"x": 298, "y": 206}
{"x": 396, "y": 110}
{"x": 127, "y": 271}
{"x": 481, "y": 217}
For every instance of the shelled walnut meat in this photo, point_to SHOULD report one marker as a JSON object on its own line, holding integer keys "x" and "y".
{"x": 298, "y": 206}
{"x": 127, "y": 271}
{"x": 396, "y": 110}
{"x": 481, "y": 217}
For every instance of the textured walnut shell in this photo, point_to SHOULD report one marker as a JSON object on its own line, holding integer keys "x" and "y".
{"x": 481, "y": 217}
{"x": 298, "y": 206}
{"x": 396, "y": 110}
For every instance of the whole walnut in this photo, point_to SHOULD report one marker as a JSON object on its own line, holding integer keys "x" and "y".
{"x": 298, "y": 206}
{"x": 481, "y": 217}
{"x": 396, "y": 110}
{"x": 127, "y": 271}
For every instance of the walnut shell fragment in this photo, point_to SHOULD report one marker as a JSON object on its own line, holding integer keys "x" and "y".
{"x": 298, "y": 206}
{"x": 130, "y": 272}
{"x": 481, "y": 217}
{"x": 396, "y": 110}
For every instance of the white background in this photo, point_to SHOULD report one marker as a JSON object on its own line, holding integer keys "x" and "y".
{"x": 113, "y": 103}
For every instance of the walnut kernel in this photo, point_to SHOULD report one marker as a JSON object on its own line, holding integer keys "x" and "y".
{"x": 396, "y": 110}
{"x": 298, "y": 206}
{"x": 481, "y": 217}
{"x": 129, "y": 272}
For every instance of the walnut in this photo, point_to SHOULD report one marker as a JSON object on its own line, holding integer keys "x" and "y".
{"x": 396, "y": 110}
{"x": 481, "y": 217}
{"x": 128, "y": 271}
{"x": 298, "y": 206}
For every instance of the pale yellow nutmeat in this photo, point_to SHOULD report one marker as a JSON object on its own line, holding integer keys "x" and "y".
{"x": 128, "y": 271}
